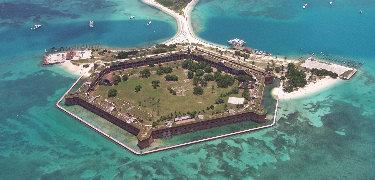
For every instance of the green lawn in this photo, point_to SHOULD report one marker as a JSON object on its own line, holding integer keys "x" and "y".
{"x": 154, "y": 103}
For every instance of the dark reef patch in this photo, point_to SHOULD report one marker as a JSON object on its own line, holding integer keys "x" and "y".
{"x": 6, "y": 75}
{"x": 17, "y": 13}
{"x": 323, "y": 150}
{"x": 16, "y": 96}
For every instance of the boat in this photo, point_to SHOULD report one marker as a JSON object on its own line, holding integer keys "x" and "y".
{"x": 131, "y": 17}
{"x": 36, "y": 26}
{"x": 360, "y": 12}
{"x": 149, "y": 23}
{"x": 305, "y": 6}
{"x": 91, "y": 24}
{"x": 331, "y": 3}
{"x": 236, "y": 42}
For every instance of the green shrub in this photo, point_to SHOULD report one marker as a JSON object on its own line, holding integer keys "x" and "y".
{"x": 112, "y": 93}
{"x": 116, "y": 79}
{"x": 190, "y": 74}
{"x": 138, "y": 88}
{"x": 155, "y": 84}
{"x": 169, "y": 77}
{"x": 125, "y": 77}
{"x": 145, "y": 73}
{"x": 198, "y": 90}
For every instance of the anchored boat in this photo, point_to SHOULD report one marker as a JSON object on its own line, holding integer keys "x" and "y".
{"x": 36, "y": 26}
{"x": 91, "y": 24}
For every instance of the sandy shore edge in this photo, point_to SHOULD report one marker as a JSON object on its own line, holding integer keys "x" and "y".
{"x": 308, "y": 90}
{"x": 74, "y": 69}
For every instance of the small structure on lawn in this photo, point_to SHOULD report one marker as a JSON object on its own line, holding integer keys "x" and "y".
{"x": 236, "y": 100}
{"x": 108, "y": 79}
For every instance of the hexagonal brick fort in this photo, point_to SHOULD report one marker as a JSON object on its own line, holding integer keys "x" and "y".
{"x": 145, "y": 133}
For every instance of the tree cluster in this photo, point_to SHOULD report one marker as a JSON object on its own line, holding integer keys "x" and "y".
{"x": 116, "y": 79}
{"x": 224, "y": 80}
{"x": 124, "y": 77}
{"x": 198, "y": 90}
{"x": 112, "y": 93}
{"x": 145, "y": 73}
{"x": 295, "y": 78}
{"x": 126, "y": 54}
{"x": 176, "y": 5}
{"x": 194, "y": 66}
{"x": 169, "y": 77}
{"x": 162, "y": 48}
{"x": 164, "y": 70}
{"x": 323, "y": 72}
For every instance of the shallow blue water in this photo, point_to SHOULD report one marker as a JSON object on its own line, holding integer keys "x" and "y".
{"x": 325, "y": 136}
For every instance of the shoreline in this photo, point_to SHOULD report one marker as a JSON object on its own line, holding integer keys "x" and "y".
{"x": 309, "y": 90}
{"x": 74, "y": 69}
{"x": 185, "y": 32}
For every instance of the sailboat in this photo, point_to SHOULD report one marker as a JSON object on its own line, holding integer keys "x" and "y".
{"x": 305, "y": 6}
{"x": 91, "y": 24}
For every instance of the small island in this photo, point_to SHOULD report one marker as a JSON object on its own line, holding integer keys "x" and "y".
{"x": 185, "y": 84}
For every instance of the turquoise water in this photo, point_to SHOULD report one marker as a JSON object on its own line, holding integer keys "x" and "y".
{"x": 326, "y": 136}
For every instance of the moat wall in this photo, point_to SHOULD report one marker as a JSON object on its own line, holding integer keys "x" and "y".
{"x": 100, "y": 112}
{"x": 207, "y": 124}
{"x": 168, "y": 131}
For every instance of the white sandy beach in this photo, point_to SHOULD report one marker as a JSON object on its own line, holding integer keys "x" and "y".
{"x": 308, "y": 90}
{"x": 185, "y": 32}
{"x": 76, "y": 70}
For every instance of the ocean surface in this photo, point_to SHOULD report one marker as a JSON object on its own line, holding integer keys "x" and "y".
{"x": 329, "y": 135}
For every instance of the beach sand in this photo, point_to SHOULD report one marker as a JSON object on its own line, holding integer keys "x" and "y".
{"x": 308, "y": 90}
{"x": 74, "y": 69}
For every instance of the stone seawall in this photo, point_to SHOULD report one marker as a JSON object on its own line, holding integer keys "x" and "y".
{"x": 168, "y": 131}
{"x": 98, "y": 111}
{"x": 250, "y": 116}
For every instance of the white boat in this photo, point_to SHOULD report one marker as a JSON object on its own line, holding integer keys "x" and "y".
{"x": 91, "y": 24}
{"x": 331, "y": 3}
{"x": 360, "y": 12}
{"x": 237, "y": 42}
{"x": 36, "y": 26}
{"x": 305, "y": 6}
{"x": 149, "y": 23}
{"x": 131, "y": 17}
